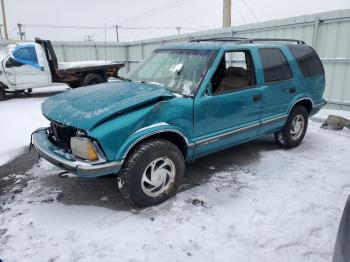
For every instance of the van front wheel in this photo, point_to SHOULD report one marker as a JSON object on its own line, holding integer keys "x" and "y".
{"x": 152, "y": 173}
{"x": 294, "y": 130}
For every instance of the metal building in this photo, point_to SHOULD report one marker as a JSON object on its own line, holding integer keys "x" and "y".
{"x": 328, "y": 33}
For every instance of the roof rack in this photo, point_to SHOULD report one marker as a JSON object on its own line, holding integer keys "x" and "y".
{"x": 243, "y": 40}
{"x": 253, "y": 40}
{"x": 230, "y": 38}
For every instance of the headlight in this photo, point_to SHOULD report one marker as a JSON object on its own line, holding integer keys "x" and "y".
{"x": 83, "y": 148}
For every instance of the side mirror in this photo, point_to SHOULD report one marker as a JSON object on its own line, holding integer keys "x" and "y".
{"x": 208, "y": 90}
{"x": 42, "y": 68}
{"x": 11, "y": 62}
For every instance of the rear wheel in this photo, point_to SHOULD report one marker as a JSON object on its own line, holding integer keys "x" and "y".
{"x": 152, "y": 173}
{"x": 93, "y": 79}
{"x": 295, "y": 128}
{"x": 74, "y": 84}
{"x": 2, "y": 94}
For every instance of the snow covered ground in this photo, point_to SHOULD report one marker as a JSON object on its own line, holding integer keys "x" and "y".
{"x": 19, "y": 118}
{"x": 256, "y": 202}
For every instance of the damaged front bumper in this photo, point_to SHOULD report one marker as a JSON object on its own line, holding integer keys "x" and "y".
{"x": 65, "y": 160}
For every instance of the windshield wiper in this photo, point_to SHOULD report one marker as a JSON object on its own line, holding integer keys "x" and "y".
{"x": 150, "y": 83}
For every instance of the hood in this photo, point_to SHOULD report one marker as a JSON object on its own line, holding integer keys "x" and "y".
{"x": 87, "y": 107}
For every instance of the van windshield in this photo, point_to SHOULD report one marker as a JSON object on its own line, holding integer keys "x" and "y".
{"x": 180, "y": 71}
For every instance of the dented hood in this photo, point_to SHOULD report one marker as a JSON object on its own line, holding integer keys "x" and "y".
{"x": 87, "y": 107}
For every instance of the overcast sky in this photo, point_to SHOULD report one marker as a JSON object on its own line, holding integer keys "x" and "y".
{"x": 190, "y": 15}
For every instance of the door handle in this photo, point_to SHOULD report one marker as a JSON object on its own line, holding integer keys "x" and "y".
{"x": 292, "y": 90}
{"x": 256, "y": 98}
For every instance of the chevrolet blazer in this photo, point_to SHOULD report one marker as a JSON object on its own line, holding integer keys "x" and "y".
{"x": 183, "y": 102}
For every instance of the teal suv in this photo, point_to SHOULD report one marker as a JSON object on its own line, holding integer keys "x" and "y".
{"x": 183, "y": 102}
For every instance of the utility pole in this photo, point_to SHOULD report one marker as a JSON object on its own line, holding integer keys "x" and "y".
{"x": 226, "y": 13}
{"x": 117, "y": 32}
{"x": 178, "y": 30}
{"x": 89, "y": 38}
{"x": 20, "y": 32}
{"x": 4, "y": 19}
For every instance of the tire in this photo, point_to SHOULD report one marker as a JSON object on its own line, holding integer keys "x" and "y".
{"x": 2, "y": 94}
{"x": 93, "y": 79}
{"x": 294, "y": 130}
{"x": 135, "y": 175}
{"x": 74, "y": 84}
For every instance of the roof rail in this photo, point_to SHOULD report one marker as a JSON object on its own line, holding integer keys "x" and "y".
{"x": 230, "y": 38}
{"x": 243, "y": 40}
{"x": 253, "y": 40}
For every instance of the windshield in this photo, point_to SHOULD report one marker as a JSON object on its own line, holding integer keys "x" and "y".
{"x": 177, "y": 70}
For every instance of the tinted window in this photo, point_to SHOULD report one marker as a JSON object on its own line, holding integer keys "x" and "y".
{"x": 276, "y": 67}
{"x": 309, "y": 62}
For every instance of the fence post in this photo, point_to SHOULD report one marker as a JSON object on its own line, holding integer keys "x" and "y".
{"x": 315, "y": 33}
{"x": 126, "y": 55}
{"x": 64, "y": 53}
{"x": 96, "y": 52}
{"x": 142, "y": 51}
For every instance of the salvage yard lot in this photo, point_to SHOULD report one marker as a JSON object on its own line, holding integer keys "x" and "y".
{"x": 253, "y": 202}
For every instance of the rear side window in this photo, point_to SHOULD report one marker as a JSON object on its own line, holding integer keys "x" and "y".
{"x": 275, "y": 65}
{"x": 309, "y": 62}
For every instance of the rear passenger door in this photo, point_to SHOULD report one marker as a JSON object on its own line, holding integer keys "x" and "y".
{"x": 278, "y": 89}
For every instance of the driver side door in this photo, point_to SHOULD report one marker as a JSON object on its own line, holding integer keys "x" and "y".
{"x": 26, "y": 69}
{"x": 229, "y": 111}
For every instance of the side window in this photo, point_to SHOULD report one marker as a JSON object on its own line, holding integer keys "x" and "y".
{"x": 308, "y": 61}
{"x": 26, "y": 55}
{"x": 275, "y": 65}
{"x": 235, "y": 59}
{"x": 235, "y": 72}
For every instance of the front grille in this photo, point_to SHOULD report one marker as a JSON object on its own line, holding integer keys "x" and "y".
{"x": 62, "y": 134}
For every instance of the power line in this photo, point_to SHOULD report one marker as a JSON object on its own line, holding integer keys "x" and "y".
{"x": 120, "y": 27}
{"x": 168, "y": 6}
{"x": 251, "y": 10}
{"x": 66, "y": 26}
{"x": 200, "y": 13}
{"x": 117, "y": 28}
{"x": 240, "y": 14}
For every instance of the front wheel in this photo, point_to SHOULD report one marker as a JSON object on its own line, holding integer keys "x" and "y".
{"x": 152, "y": 173}
{"x": 295, "y": 128}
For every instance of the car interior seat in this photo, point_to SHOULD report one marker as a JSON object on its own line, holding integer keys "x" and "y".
{"x": 234, "y": 78}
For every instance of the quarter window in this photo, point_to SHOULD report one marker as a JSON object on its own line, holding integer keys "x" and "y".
{"x": 308, "y": 61}
{"x": 275, "y": 65}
